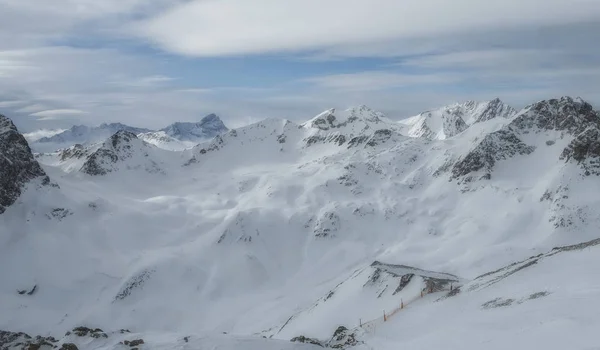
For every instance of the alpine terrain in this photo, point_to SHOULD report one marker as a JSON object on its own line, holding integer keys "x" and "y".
{"x": 471, "y": 226}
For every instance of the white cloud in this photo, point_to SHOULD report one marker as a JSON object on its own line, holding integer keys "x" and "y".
{"x": 53, "y": 114}
{"x": 232, "y": 27}
{"x": 38, "y": 134}
{"x": 7, "y": 104}
{"x": 461, "y": 49}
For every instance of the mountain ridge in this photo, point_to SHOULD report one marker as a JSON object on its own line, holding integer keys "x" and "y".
{"x": 263, "y": 229}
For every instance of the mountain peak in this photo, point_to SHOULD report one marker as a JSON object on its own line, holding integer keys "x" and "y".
{"x": 87, "y": 134}
{"x": 561, "y": 114}
{"x": 122, "y": 150}
{"x": 208, "y": 127}
{"x": 17, "y": 165}
{"x": 333, "y": 119}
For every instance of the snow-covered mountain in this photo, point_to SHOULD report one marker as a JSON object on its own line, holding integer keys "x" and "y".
{"x": 451, "y": 120}
{"x": 177, "y": 136}
{"x": 209, "y": 127}
{"x": 313, "y": 231}
{"x": 87, "y": 134}
{"x": 18, "y": 168}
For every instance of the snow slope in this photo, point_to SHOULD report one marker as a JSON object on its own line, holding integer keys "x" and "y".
{"x": 452, "y": 120}
{"x": 545, "y": 302}
{"x": 249, "y": 233}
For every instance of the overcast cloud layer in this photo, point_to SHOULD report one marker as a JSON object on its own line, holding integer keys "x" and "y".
{"x": 151, "y": 62}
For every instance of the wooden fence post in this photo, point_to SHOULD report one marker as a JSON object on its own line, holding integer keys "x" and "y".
{"x": 384, "y": 316}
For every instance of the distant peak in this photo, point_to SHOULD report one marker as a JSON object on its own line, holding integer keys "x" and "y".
{"x": 213, "y": 121}
{"x": 210, "y": 117}
{"x": 563, "y": 101}
{"x": 124, "y": 133}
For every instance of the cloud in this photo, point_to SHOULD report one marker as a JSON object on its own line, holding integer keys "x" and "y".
{"x": 235, "y": 27}
{"x": 401, "y": 57}
{"x": 53, "y": 114}
{"x": 41, "y": 133}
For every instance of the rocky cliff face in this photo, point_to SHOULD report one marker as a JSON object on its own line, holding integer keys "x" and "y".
{"x": 17, "y": 164}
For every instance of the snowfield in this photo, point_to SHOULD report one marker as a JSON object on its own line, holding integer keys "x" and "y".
{"x": 279, "y": 230}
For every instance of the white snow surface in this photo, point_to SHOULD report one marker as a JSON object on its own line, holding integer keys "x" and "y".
{"x": 451, "y": 120}
{"x": 256, "y": 228}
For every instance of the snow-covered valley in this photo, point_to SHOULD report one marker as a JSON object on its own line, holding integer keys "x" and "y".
{"x": 279, "y": 230}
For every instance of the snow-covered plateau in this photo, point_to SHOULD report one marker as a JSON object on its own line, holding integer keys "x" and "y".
{"x": 472, "y": 226}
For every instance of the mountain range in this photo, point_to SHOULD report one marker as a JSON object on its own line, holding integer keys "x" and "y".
{"x": 472, "y": 225}
{"x": 176, "y": 136}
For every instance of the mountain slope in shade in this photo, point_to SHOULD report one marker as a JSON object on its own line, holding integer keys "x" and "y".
{"x": 17, "y": 164}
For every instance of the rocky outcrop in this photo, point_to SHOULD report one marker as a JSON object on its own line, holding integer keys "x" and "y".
{"x": 23, "y": 341}
{"x": 17, "y": 164}
{"x": 499, "y": 145}
{"x": 572, "y": 116}
{"x": 495, "y": 109}
{"x": 585, "y": 150}
{"x": 76, "y": 151}
{"x": 453, "y": 124}
{"x": 122, "y": 148}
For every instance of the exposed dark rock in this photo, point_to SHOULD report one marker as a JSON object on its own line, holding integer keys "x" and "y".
{"x": 135, "y": 282}
{"x": 327, "y": 225}
{"x": 118, "y": 148}
{"x": 23, "y": 341}
{"x": 17, "y": 164}
{"x": 69, "y": 346}
{"x": 331, "y": 138}
{"x": 499, "y": 145}
{"x": 498, "y": 302}
{"x": 133, "y": 343}
{"x": 453, "y": 125}
{"x": 59, "y": 213}
{"x": 76, "y": 151}
{"x": 496, "y": 108}
{"x": 585, "y": 150}
{"x": 565, "y": 114}
{"x": 85, "y": 331}
{"x": 404, "y": 281}
{"x": 358, "y": 140}
{"x": 303, "y": 339}
{"x": 342, "y": 338}
{"x": 31, "y": 291}
{"x": 379, "y": 137}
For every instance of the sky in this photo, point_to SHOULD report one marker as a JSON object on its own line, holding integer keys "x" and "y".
{"x": 149, "y": 63}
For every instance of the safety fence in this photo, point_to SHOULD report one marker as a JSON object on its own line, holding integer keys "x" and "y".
{"x": 370, "y": 326}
